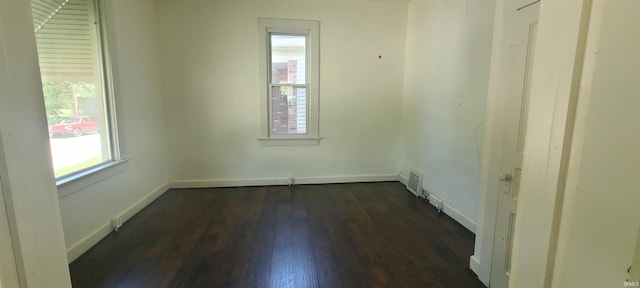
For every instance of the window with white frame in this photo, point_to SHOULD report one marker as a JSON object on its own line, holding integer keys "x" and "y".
{"x": 289, "y": 60}
{"x": 80, "y": 114}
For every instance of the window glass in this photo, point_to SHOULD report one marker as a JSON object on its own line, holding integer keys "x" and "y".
{"x": 288, "y": 102}
{"x": 288, "y": 59}
{"x": 70, "y": 57}
{"x": 289, "y": 110}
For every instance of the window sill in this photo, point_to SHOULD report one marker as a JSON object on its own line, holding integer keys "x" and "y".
{"x": 76, "y": 182}
{"x": 307, "y": 141}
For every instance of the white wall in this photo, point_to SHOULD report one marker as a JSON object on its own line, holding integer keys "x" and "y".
{"x": 445, "y": 93}
{"x": 8, "y": 269}
{"x": 209, "y": 55}
{"x": 480, "y": 261}
{"x": 601, "y": 217}
{"x": 133, "y": 40}
{"x": 25, "y": 164}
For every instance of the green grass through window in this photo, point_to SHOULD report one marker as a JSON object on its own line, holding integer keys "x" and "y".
{"x": 78, "y": 166}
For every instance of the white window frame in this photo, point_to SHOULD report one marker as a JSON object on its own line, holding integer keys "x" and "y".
{"x": 75, "y": 181}
{"x": 310, "y": 29}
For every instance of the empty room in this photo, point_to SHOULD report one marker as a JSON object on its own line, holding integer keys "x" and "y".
{"x": 319, "y": 143}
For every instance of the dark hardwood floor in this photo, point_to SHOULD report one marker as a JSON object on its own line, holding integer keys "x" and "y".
{"x": 338, "y": 235}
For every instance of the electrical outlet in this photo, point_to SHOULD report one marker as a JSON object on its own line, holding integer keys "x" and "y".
{"x": 116, "y": 223}
{"x": 436, "y": 202}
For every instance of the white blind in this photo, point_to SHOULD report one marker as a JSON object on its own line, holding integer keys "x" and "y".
{"x": 66, "y": 38}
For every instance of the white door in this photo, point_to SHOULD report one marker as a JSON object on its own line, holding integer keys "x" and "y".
{"x": 519, "y": 36}
{"x": 8, "y": 271}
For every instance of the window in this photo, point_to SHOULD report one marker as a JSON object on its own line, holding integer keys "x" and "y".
{"x": 72, "y": 66}
{"x": 289, "y": 77}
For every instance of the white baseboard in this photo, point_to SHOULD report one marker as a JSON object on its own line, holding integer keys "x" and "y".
{"x": 459, "y": 217}
{"x": 447, "y": 209}
{"x": 88, "y": 241}
{"x": 84, "y": 244}
{"x": 206, "y": 183}
{"x": 474, "y": 264}
{"x": 347, "y": 179}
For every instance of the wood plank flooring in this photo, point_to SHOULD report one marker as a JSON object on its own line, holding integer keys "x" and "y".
{"x": 337, "y": 235}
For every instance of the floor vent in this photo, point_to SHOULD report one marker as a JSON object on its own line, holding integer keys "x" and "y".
{"x": 414, "y": 183}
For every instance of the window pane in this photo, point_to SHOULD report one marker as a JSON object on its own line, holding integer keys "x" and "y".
{"x": 288, "y": 110}
{"x": 72, "y": 83}
{"x": 288, "y": 59}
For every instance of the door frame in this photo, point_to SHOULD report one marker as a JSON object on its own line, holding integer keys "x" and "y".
{"x": 557, "y": 69}
{"x": 29, "y": 187}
